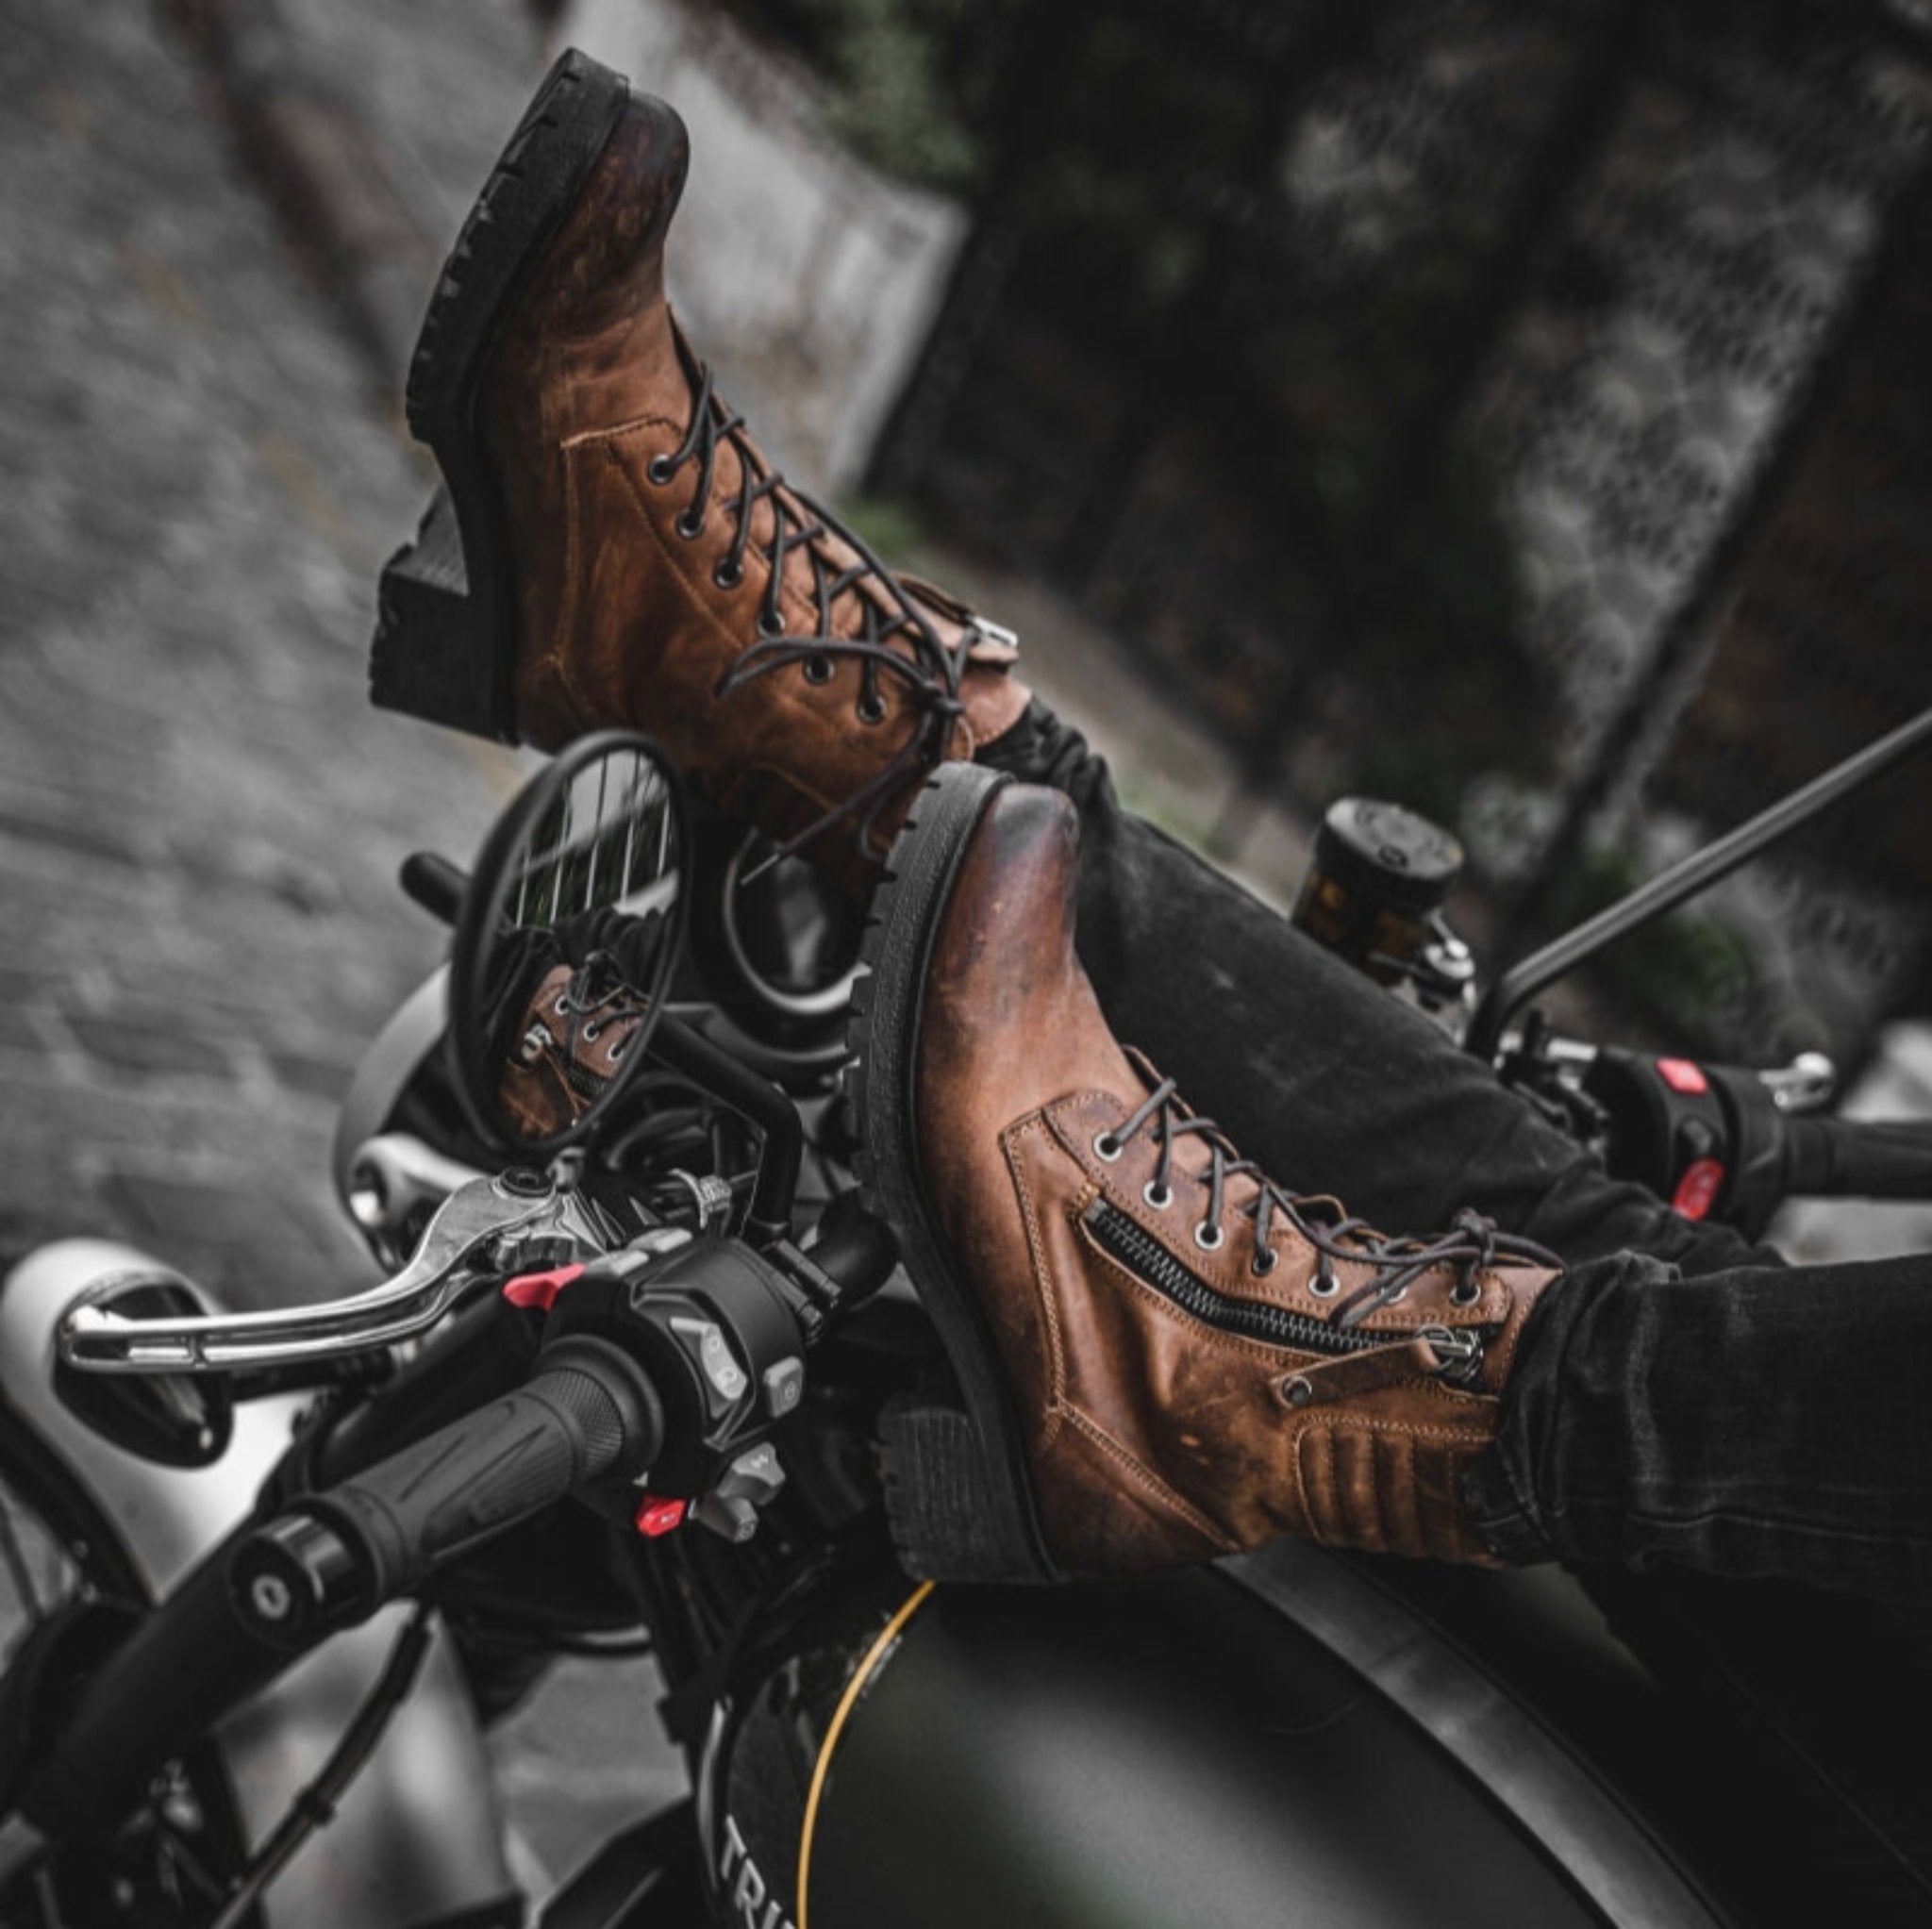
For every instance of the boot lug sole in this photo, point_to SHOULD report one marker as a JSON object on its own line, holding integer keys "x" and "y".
{"x": 445, "y": 648}
{"x": 959, "y": 1493}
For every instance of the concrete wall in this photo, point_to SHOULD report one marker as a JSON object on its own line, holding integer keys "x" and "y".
{"x": 806, "y": 279}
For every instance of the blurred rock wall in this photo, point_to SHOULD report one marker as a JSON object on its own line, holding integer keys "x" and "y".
{"x": 806, "y": 280}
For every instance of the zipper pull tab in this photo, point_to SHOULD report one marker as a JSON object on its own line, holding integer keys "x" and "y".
{"x": 1459, "y": 1350}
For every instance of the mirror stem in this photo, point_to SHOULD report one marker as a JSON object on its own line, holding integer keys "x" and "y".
{"x": 676, "y": 1045}
{"x": 1669, "y": 888}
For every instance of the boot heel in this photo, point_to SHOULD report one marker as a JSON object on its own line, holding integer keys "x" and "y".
{"x": 947, "y": 1519}
{"x": 445, "y": 639}
{"x": 976, "y": 1519}
{"x": 437, "y": 651}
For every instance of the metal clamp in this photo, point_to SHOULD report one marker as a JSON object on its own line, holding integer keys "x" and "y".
{"x": 485, "y": 1227}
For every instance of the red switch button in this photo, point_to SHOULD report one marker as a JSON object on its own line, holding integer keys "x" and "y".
{"x": 1680, "y": 1074}
{"x": 1698, "y": 1189}
{"x": 539, "y": 1290}
{"x": 661, "y": 1516}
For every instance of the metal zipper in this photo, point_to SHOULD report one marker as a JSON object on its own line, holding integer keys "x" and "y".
{"x": 1458, "y": 1349}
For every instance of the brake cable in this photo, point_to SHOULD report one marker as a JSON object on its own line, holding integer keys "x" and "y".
{"x": 315, "y": 1807}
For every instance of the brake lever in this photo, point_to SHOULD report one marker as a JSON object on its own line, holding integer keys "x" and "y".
{"x": 470, "y": 1236}
{"x": 393, "y": 1179}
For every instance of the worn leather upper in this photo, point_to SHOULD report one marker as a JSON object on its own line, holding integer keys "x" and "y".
{"x": 562, "y": 1057}
{"x": 1153, "y": 1437}
{"x": 629, "y": 613}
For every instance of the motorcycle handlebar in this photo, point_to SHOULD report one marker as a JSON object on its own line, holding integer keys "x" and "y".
{"x": 1827, "y": 1157}
{"x": 589, "y": 1412}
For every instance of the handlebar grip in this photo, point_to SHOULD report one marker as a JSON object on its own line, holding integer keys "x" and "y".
{"x": 1827, "y": 1157}
{"x": 338, "y": 1555}
{"x": 435, "y": 884}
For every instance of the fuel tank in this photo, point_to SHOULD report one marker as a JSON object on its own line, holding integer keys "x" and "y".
{"x": 1247, "y": 1745}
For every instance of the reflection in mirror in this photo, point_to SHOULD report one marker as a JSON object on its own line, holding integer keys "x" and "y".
{"x": 569, "y": 934}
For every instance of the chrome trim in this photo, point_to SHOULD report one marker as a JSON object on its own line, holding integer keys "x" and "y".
{"x": 475, "y": 1232}
{"x": 711, "y": 1195}
{"x": 391, "y": 1177}
{"x": 1808, "y": 1083}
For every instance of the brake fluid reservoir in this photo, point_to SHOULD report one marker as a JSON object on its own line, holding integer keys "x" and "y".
{"x": 1379, "y": 876}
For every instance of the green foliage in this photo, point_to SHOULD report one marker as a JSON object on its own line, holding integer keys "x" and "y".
{"x": 1691, "y": 974}
{"x": 889, "y": 525}
{"x": 908, "y": 79}
{"x": 1435, "y": 688}
{"x": 893, "y": 104}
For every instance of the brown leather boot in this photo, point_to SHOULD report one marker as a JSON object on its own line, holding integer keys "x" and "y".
{"x": 1161, "y": 1354}
{"x": 566, "y": 1050}
{"x": 614, "y": 550}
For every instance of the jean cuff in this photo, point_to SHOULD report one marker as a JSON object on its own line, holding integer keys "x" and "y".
{"x": 1502, "y": 1515}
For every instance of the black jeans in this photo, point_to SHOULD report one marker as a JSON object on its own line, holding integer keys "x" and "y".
{"x": 1680, "y": 1398}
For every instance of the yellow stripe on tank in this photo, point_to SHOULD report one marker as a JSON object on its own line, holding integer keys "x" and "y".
{"x": 874, "y": 1655}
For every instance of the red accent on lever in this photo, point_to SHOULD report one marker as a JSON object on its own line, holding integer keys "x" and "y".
{"x": 1682, "y": 1074}
{"x": 661, "y": 1516}
{"x": 539, "y": 1290}
{"x": 1698, "y": 1189}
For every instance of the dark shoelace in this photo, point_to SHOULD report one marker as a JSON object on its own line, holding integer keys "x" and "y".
{"x": 932, "y": 672}
{"x": 596, "y": 998}
{"x": 1473, "y": 1242}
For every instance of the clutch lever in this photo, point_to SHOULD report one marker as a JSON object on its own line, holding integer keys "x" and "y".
{"x": 473, "y": 1234}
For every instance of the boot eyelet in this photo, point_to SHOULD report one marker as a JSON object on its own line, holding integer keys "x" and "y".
{"x": 1205, "y": 1243}
{"x": 592, "y": 1031}
{"x": 1324, "y": 1286}
{"x": 1258, "y": 1269}
{"x": 1106, "y": 1148}
{"x": 690, "y": 526}
{"x": 659, "y": 470}
{"x": 871, "y": 710}
{"x": 817, "y": 670}
{"x": 1296, "y": 1390}
{"x": 770, "y": 625}
{"x": 1397, "y": 1298}
{"x": 1465, "y": 1292}
{"x": 728, "y": 576}
{"x": 1160, "y": 1197}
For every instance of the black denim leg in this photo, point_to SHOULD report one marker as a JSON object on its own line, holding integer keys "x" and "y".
{"x": 1750, "y": 1422}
